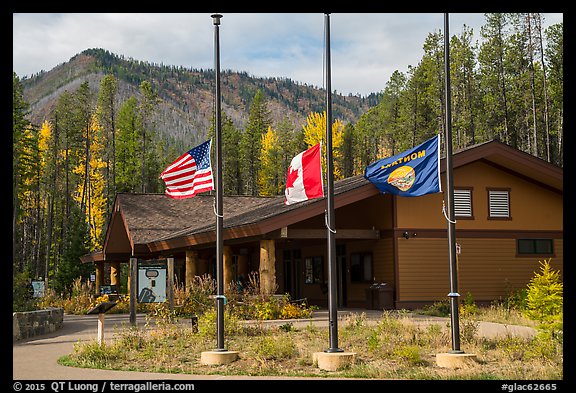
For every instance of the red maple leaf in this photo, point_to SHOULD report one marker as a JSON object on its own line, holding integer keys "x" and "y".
{"x": 291, "y": 178}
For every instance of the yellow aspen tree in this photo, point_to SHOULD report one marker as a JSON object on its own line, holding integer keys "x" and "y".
{"x": 315, "y": 132}
{"x": 270, "y": 180}
{"x": 44, "y": 140}
{"x": 96, "y": 200}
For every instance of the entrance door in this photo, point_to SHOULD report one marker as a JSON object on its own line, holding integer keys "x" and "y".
{"x": 292, "y": 262}
{"x": 342, "y": 275}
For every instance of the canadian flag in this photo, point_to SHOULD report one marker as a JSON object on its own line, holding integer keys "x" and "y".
{"x": 304, "y": 178}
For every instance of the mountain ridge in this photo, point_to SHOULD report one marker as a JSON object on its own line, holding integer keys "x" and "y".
{"x": 186, "y": 94}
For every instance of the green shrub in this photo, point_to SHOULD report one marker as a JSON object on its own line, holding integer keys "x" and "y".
{"x": 438, "y": 309}
{"x": 22, "y": 292}
{"x": 544, "y": 298}
{"x": 207, "y": 326}
{"x": 516, "y": 300}
{"x": 468, "y": 307}
{"x": 409, "y": 354}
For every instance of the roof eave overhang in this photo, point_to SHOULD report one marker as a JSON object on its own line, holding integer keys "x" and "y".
{"x": 267, "y": 225}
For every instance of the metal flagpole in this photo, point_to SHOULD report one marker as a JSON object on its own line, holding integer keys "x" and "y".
{"x": 332, "y": 279}
{"x": 219, "y": 209}
{"x": 453, "y": 295}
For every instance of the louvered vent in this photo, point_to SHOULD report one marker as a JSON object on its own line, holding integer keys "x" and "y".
{"x": 463, "y": 203}
{"x": 499, "y": 204}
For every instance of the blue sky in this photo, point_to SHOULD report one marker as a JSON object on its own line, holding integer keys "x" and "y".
{"x": 365, "y": 47}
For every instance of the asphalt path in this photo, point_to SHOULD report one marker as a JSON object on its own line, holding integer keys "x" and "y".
{"x": 36, "y": 358}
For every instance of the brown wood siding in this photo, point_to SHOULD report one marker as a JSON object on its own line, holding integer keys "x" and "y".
{"x": 383, "y": 266}
{"x": 487, "y": 268}
{"x": 532, "y": 206}
{"x": 375, "y": 211}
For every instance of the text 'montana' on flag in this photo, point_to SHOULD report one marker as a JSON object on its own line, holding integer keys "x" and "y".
{"x": 414, "y": 172}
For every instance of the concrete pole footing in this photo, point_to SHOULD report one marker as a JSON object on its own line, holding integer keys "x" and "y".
{"x": 333, "y": 361}
{"x": 218, "y": 357}
{"x": 456, "y": 360}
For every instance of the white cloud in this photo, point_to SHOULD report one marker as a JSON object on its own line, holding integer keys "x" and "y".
{"x": 365, "y": 48}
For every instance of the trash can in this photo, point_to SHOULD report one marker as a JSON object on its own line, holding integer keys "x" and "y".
{"x": 370, "y": 291}
{"x": 380, "y": 296}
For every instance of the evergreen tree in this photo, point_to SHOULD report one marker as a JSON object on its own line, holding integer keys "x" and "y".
{"x": 231, "y": 156}
{"x": 493, "y": 78}
{"x": 464, "y": 88}
{"x": 391, "y": 130}
{"x": 20, "y": 166}
{"x": 107, "y": 113}
{"x": 432, "y": 67}
{"x": 232, "y": 175}
{"x": 147, "y": 107}
{"x": 259, "y": 120}
{"x": 555, "y": 58}
{"x": 76, "y": 245}
{"x": 84, "y": 112}
{"x": 127, "y": 147}
{"x": 347, "y": 150}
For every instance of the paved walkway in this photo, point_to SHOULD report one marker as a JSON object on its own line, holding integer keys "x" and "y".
{"x": 36, "y": 358}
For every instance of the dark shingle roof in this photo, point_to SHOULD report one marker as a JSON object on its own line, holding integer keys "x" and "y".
{"x": 150, "y": 217}
{"x": 155, "y": 217}
{"x": 267, "y": 208}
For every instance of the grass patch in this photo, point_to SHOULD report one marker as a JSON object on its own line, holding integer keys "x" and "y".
{"x": 393, "y": 346}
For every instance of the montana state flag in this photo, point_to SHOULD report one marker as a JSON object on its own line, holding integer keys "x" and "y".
{"x": 414, "y": 172}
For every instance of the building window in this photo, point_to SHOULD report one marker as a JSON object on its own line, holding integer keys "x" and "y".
{"x": 535, "y": 246}
{"x": 361, "y": 267}
{"x": 463, "y": 203}
{"x": 499, "y": 204}
{"x": 314, "y": 269}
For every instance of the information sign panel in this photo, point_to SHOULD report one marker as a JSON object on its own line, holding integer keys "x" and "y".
{"x": 151, "y": 282}
{"x": 38, "y": 287}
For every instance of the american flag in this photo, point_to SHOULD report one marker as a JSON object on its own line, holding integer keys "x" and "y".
{"x": 190, "y": 174}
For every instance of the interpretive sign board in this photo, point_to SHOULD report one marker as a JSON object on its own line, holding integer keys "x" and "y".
{"x": 101, "y": 308}
{"x": 151, "y": 282}
{"x": 38, "y": 288}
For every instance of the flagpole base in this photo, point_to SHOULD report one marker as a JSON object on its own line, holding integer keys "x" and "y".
{"x": 217, "y": 357}
{"x": 333, "y": 361}
{"x": 456, "y": 360}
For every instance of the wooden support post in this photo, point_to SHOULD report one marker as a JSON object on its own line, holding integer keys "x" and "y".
{"x": 170, "y": 283}
{"x": 133, "y": 289}
{"x": 191, "y": 267}
{"x": 115, "y": 275}
{"x": 227, "y": 267}
{"x": 99, "y": 276}
{"x": 243, "y": 266}
{"x": 267, "y": 268}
